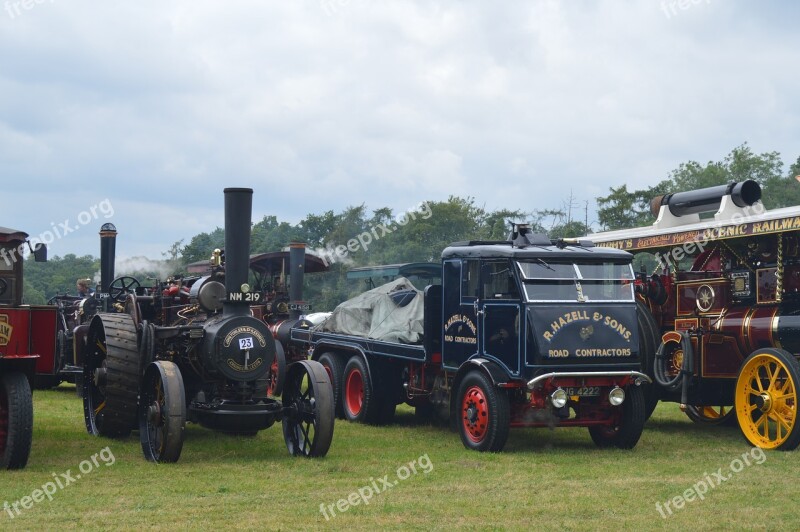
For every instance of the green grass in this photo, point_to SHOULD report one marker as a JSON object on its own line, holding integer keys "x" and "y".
{"x": 544, "y": 478}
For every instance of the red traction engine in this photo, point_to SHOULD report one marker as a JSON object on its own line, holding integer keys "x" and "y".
{"x": 27, "y": 335}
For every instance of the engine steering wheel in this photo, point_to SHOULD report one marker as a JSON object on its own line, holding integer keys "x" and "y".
{"x": 121, "y": 287}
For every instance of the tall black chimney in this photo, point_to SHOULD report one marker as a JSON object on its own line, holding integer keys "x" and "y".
{"x": 238, "y": 210}
{"x": 297, "y": 264}
{"x": 108, "y": 248}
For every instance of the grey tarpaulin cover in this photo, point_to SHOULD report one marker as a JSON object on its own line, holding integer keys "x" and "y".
{"x": 375, "y": 314}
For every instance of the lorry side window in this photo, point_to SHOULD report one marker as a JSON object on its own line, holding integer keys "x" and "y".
{"x": 498, "y": 281}
{"x": 470, "y": 280}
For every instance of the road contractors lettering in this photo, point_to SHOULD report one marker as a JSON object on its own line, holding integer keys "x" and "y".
{"x": 577, "y": 316}
{"x": 595, "y": 352}
{"x": 465, "y": 330}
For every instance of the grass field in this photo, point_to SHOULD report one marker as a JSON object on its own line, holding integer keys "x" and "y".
{"x": 545, "y": 478}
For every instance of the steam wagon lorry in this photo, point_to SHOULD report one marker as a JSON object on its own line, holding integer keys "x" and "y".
{"x": 527, "y": 332}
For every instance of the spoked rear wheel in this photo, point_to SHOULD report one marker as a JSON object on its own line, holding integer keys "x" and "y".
{"x": 16, "y": 420}
{"x": 766, "y": 399}
{"x": 162, "y": 414}
{"x": 308, "y": 409}
{"x": 711, "y": 415}
{"x": 110, "y": 376}
{"x": 277, "y": 372}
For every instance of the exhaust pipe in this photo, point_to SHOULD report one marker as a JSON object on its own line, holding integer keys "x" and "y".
{"x": 297, "y": 264}
{"x": 238, "y": 211}
{"x": 108, "y": 248}
{"x": 708, "y": 199}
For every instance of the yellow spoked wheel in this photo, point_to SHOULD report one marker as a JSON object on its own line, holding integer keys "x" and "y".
{"x": 711, "y": 415}
{"x": 766, "y": 399}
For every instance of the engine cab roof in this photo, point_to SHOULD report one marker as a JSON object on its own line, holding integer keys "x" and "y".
{"x": 12, "y": 235}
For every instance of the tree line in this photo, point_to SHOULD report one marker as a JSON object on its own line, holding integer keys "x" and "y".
{"x": 422, "y": 237}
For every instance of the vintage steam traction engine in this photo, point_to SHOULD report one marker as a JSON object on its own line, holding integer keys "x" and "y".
{"x": 20, "y": 349}
{"x": 191, "y": 350}
{"x": 720, "y": 312}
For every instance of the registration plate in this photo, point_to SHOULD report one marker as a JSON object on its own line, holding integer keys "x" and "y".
{"x": 583, "y": 391}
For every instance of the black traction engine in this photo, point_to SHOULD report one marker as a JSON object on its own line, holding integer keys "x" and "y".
{"x": 191, "y": 350}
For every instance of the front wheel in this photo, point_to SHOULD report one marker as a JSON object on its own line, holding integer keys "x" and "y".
{"x": 308, "y": 410}
{"x": 484, "y": 413}
{"x": 766, "y": 399}
{"x": 16, "y": 420}
{"x": 626, "y": 431}
{"x": 162, "y": 414}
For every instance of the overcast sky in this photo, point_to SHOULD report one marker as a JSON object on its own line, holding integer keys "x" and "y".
{"x": 155, "y": 107}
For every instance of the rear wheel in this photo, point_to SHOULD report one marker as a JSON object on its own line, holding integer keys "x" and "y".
{"x": 111, "y": 376}
{"x": 277, "y": 372}
{"x": 766, "y": 399}
{"x": 334, "y": 366}
{"x": 308, "y": 416}
{"x": 162, "y": 414}
{"x": 483, "y": 414}
{"x": 711, "y": 415}
{"x": 625, "y": 433}
{"x": 16, "y": 420}
{"x": 361, "y": 402}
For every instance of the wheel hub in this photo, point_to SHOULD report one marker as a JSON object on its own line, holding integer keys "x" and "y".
{"x": 154, "y": 414}
{"x": 472, "y": 414}
{"x": 764, "y": 402}
{"x": 100, "y": 376}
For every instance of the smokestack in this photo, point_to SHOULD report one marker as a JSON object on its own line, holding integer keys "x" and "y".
{"x": 238, "y": 211}
{"x": 708, "y": 199}
{"x": 297, "y": 264}
{"x": 108, "y": 249}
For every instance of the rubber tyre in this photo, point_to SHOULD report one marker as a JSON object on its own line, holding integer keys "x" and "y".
{"x": 649, "y": 340}
{"x": 360, "y": 402}
{"x": 483, "y": 413}
{"x": 625, "y": 435}
{"x": 781, "y": 390}
{"x": 16, "y": 420}
{"x": 334, "y": 365}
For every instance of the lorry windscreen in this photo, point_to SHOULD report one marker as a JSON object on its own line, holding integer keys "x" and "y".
{"x": 576, "y": 281}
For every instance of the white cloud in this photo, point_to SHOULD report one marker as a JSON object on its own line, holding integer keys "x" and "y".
{"x": 323, "y": 104}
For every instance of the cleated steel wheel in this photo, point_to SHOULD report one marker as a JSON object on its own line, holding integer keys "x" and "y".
{"x": 16, "y": 420}
{"x": 308, "y": 409}
{"x": 711, "y": 415}
{"x": 162, "y": 414}
{"x": 766, "y": 399}
{"x": 110, "y": 376}
{"x": 483, "y": 415}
